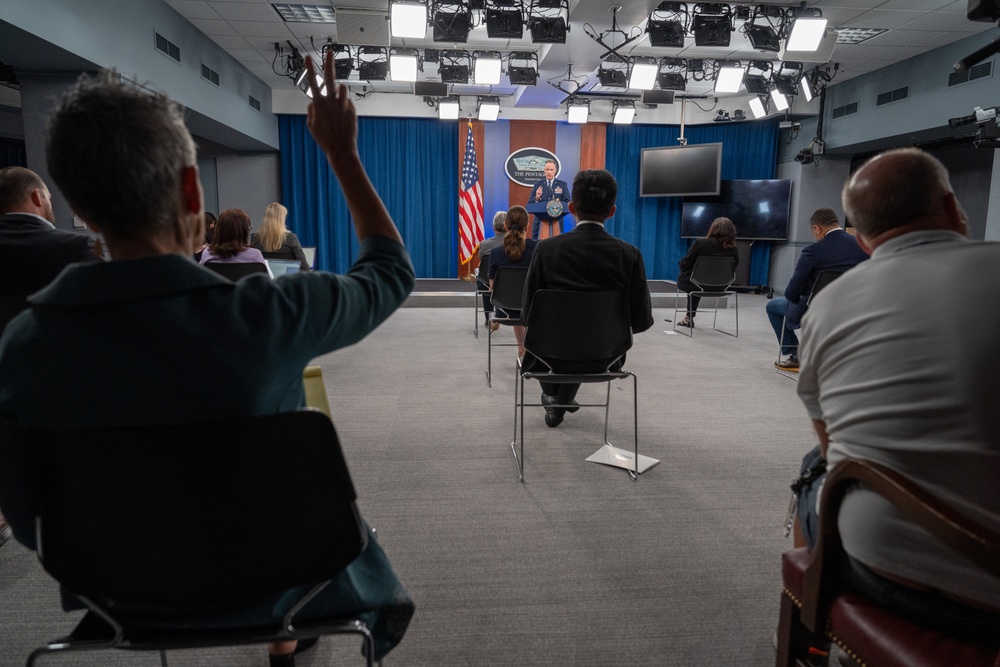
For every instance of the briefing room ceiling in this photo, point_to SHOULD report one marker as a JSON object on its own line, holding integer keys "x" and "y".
{"x": 870, "y": 34}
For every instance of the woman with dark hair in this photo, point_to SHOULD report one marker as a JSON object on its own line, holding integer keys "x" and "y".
{"x": 720, "y": 242}
{"x": 210, "y": 221}
{"x": 515, "y": 251}
{"x": 230, "y": 243}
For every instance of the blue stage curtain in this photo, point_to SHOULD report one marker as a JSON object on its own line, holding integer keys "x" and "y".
{"x": 413, "y": 164}
{"x": 749, "y": 151}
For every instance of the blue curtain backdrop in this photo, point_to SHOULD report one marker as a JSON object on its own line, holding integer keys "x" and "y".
{"x": 749, "y": 151}
{"x": 413, "y": 164}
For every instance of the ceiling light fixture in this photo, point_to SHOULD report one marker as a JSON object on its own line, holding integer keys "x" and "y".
{"x": 729, "y": 77}
{"x": 373, "y": 63}
{"x": 643, "y": 73}
{"x": 548, "y": 21}
{"x": 408, "y": 19}
{"x": 623, "y": 112}
{"x": 807, "y": 29}
{"x": 505, "y": 22}
{"x": 403, "y": 64}
{"x": 525, "y": 71}
{"x": 666, "y": 25}
{"x": 780, "y": 101}
{"x": 758, "y": 106}
{"x": 578, "y": 110}
{"x": 452, "y": 22}
{"x": 487, "y": 67}
{"x": 489, "y": 108}
{"x": 448, "y": 108}
{"x": 712, "y": 24}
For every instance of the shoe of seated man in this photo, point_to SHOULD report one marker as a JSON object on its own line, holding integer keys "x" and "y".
{"x": 791, "y": 364}
{"x": 5, "y": 530}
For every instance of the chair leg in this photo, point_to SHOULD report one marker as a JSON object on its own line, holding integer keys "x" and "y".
{"x": 163, "y": 658}
{"x": 635, "y": 424}
{"x": 793, "y": 638}
{"x": 518, "y": 460}
{"x": 690, "y": 330}
{"x": 475, "y": 314}
{"x": 489, "y": 357}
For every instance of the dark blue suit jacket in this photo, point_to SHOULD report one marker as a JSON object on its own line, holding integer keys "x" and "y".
{"x": 559, "y": 190}
{"x": 837, "y": 250}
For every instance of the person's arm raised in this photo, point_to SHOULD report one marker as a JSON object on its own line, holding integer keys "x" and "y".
{"x": 333, "y": 123}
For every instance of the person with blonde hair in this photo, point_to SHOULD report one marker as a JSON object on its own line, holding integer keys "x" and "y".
{"x": 515, "y": 251}
{"x": 274, "y": 240}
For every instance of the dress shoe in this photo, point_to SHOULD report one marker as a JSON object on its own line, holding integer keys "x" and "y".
{"x": 5, "y": 530}
{"x": 553, "y": 416}
{"x": 550, "y": 400}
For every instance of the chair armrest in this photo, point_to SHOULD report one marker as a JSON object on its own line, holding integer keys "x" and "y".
{"x": 966, "y": 537}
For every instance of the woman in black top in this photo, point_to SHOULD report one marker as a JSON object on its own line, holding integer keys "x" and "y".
{"x": 720, "y": 242}
{"x": 274, "y": 240}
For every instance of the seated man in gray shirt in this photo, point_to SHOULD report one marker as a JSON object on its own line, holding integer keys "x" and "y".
{"x": 899, "y": 368}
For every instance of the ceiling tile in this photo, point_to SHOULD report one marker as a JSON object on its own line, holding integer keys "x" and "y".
{"x": 884, "y": 18}
{"x": 245, "y": 11}
{"x": 213, "y": 27}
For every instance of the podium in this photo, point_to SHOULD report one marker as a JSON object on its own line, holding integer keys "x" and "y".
{"x": 548, "y": 217}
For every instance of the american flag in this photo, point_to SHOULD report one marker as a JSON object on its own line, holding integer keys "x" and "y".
{"x": 470, "y": 204}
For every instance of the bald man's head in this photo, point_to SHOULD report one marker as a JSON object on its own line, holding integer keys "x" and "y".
{"x": 898, "y": 188}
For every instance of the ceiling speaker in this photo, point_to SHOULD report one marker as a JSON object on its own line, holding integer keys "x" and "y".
{"x": 362, "y": 27}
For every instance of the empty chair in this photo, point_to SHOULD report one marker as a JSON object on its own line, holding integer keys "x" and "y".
{"x": 508, "y": 294}
{"x": 236, "y": 270}
{"x": 713, "y": 276}
{"x": 159, "y": 530}
{"x": 816, "y": 606}
{"x": 579, "y": 337}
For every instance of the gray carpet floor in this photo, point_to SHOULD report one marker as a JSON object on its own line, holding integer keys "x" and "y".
{"x": 576, "y": 566}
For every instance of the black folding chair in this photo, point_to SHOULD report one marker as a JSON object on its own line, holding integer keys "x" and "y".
{"x": 823, "y": 278}
{"x": 236, "y": 270}
{"x": 579, "y": 337}
{"x": 482, "y": 289}
{"x": 196, "y": 520}
{"x": 508, "y": 294}
{"x": 713, "y": 277}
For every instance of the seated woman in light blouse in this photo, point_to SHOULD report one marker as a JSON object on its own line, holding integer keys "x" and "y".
{"x": 230, "y": 243}
{"x": 275, "y": 241}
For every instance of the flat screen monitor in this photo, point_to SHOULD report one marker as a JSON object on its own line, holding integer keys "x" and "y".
{"x": 758, "y": 208}
{"x": 680, "y": 171}
{"x": 283, "y": 267}
{"x": 310, "y": 253}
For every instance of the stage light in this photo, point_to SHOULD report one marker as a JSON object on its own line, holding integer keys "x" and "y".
{"x": 452, "y": 26}
{"x": 711, "y": 30}
{"x": 758, "y": 106}
{"x": 408, "y": 19}
{"x": 506, "y": 23}
{"x": 373, "y": 63}
{"x": 624, "y": 112}
{"x": 763, "y": 38}
{"x": 808, "y": 29}
{"x": 729, "y": 78}
{"x": 522, "y": 76}
{"x": 489, "y": 108}
{"x": 787, "y": 84}
{"x": 780, "y": 101}
{"x": 807, "y": 89}
{"x": 403, "y": 64}
{"x": 612, "y": 77}
{"x": 548, "y": 30}
{"x": 486, "y": 67}
{"x": 303, "y": 84}
{"x": 643, "y": 74}
{"x": 665, "y": 33}
{"x": 448, "y": 108}
{"x": 578, "y": 111}
{"x": 454, "y": 73}
{"x": 671, "y": 81}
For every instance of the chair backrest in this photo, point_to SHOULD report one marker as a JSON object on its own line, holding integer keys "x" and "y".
{"x": 236, "y": 270}
{"x": 567, "y": 325}
{"x": 194, "y": 516}
{"x": 508, "y": 287}
{"x": 714, "y": 273}
{"x": 11, "y": 306}
{"x": 823, "y": 278}
{"x": 484, "y": 270}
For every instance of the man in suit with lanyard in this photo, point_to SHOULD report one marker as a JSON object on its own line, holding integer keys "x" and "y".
{"x": 590, "y": 259}
{"x": 547, "y": 189}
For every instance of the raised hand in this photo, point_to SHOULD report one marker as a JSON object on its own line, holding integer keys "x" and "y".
{"x": 331, "y": 117}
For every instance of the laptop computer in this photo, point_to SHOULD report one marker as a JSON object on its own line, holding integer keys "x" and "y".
{"x": 310, "y": 252}
{"x": 284, "y": 267}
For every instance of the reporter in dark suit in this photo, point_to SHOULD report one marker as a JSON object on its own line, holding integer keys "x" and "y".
{"x": 32, "y": 250}
{"x": 547, "y": 189}
{"x": 834, "y": 249}
{"x": 587, "y": 258}
{"x": 719, "y": 242}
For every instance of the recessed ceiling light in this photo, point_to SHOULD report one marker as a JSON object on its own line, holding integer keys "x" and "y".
{"x": 305, "y": 13}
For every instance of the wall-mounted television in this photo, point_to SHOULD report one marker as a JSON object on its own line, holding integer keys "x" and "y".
{"x": 758, "y": 208}
{"x": 680, "y": 171}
